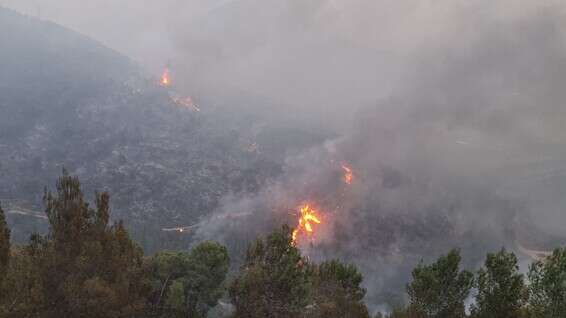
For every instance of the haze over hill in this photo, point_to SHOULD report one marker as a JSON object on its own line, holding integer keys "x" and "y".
{"x": 453, "y": 129}
{"x": 70, "y": 102}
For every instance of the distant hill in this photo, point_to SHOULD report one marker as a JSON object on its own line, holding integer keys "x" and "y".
{"x": 46, "y": 68}
{"x": 67, "y": 101}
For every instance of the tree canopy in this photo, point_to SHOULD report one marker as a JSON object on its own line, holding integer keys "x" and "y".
{"x": 4, "y": 246}
{"x": 273, "y": 281}
{"x": 439, "y": 290}
{"x": 337, "y": 291}
{"x": 548, "y": 286}
{"x": 84, "y": 267}
{"x": 501, "y": 288}
{"x": 189, "y": 283}
{"x": 277, "y": 281}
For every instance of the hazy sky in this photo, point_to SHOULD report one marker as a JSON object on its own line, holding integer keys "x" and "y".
{"x": 304, "y": 56}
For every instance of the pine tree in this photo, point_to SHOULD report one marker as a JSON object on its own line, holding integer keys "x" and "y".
{"x": 4, "y": 246}
{"x": 439, "y": 290}
{"x": 208, "y": 266}
{"x": 548, "y": 286}
{"x": 501, "y": 288}
{"x": 87, "y": 267}
{"x": 22, "y": 292}
{"x": 273, "y": 281}
{"x": 4, "y": 261}
{"x": 337, "y": 291}
{"x": 188, "y": 284}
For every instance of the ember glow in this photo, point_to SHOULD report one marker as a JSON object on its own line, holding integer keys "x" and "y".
{"x": 348, "y": 176}
{"x": 307, "y": 218}
{"x": 165, "y": 78}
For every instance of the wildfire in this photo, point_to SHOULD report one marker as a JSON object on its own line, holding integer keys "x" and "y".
{"x": 348, "y": 176}
{"x": 165, "y": 78}
{"x": 307, "y": 218}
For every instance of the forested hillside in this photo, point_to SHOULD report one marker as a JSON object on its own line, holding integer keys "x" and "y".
{"x": 88, "y": 266}
{"x": 69, "y": 102}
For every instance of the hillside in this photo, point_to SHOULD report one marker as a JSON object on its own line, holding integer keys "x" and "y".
{"x": 69, "y": 102}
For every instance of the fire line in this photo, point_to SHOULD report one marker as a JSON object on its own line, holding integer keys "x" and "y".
{"x": 307, "y": 218}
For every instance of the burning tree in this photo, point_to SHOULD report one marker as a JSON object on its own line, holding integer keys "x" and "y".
{"x": 307, "y": 217}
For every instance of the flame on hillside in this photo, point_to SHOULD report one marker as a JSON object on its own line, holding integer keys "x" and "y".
{"x": 308, "y": 217}
{"x": 165, "y": 78}
{"x": 348, "y": 176}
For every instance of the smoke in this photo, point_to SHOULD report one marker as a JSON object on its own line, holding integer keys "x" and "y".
{"x": 449, "y": 112}
{"x": 463, "y": 151}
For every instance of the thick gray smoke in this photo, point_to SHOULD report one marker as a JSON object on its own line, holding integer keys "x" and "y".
{"x": 465, "y": 152}
{"x": 450, "y": 113}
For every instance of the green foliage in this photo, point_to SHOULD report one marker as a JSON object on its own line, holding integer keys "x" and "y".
{"x": 346, "y": 275}
{"x": 176, "y": 297}
{"x": 548, "y": 286}
{"x": 189, "y": 284}
{"x": 23, "y": 290}
{"x": 169, "y": 265}
{"x": 4, "y": 262}
{"x": 276, "y": 281}
{"x": 84, "y": 267}
{"x": 501, "y": 290}
{"x": 167, "y": 271}
{"x": 4, "y": 247}
{"x": 337, "y": 291}
{"x": 209, "y": 264}
{"x": 439, "y": 290}
{"x": 273, "y": 281}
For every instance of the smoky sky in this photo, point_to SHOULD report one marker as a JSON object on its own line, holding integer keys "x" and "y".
{"x": 316, "y": 61}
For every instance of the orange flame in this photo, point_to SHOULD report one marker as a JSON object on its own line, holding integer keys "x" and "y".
{"x": 165, "y": 78}
{"x": 307, "y": 217}
{"x": 348, "y": 176}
